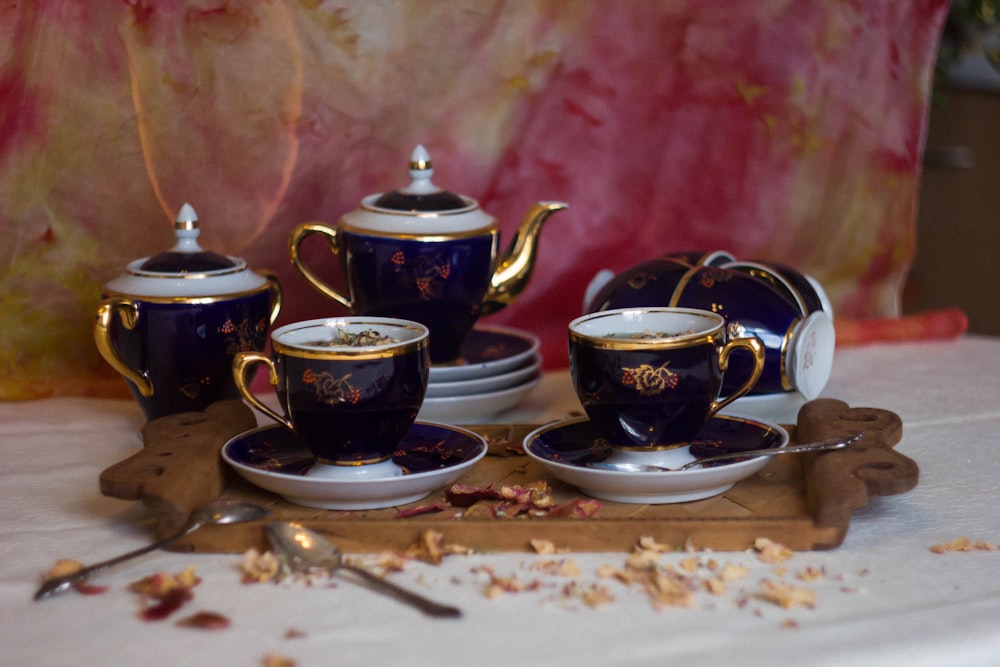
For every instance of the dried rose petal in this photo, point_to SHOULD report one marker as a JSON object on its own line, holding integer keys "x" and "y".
{"x": 390, "y": 561}
{"x": 481, "y": 510}
{"x": 786, "y": 595}
{"x": 89, "y": 589}
{"x": 670, "y": 589}
{"x": 167, "y": 604}
{"x": 649, "y": 544}
{"x": 543, "y": 546}
{"x": 715, "y": 585}
{"x": 771, "y": 552}
{"x": 566, "y": 567}
{"x": 464, "y": 495}
{"x": 811, "y": 574}
{"x": 422, "y": 509}
{"x": 64, "y": 567}
{"x": 733, "y": 572}
{"x": 430, "y": 548}
{"x": 963, "y": 544}
{"x": 275, "y": 660}
{"x": 205, "y": 620}
{"x": 260, "y": 567}
{"x": 575, "y": 508}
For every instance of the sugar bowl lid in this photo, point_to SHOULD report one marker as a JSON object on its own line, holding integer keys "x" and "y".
{"x": 185, "y": 270}
{"x": 419, "y": 208}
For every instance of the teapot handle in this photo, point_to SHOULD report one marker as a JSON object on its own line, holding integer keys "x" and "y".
{"x": 128, "y": 311}
{"x": 298, "y": 235}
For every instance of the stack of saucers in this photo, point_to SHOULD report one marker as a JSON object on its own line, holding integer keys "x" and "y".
{"x": 497, "y": 369}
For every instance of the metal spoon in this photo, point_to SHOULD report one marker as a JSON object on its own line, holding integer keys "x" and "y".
{"x": 217, "y": 512}
{"x": 305, "y": 549}
{"x": 820, "y": 446}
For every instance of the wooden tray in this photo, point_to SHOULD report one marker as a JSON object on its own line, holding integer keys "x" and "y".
{"x": 804, "y": 502}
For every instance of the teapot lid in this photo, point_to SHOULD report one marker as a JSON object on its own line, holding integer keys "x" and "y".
{"x": 421, "y": 209}
{"x": 421, "y": 194}
{"x": 186, "y": 256}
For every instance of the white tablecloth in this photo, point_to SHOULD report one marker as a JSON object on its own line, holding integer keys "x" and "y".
{"x": 882, "y": 597}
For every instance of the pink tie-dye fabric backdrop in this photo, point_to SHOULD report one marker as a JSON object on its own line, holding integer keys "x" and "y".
{"x": 779, "y": 130}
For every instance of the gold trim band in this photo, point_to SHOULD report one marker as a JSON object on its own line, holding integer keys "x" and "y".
{"x": 492, "y": 229}
{"x": 189, "y": 300}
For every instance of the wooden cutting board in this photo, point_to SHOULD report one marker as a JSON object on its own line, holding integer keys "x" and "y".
{"x": 804, "y": 502}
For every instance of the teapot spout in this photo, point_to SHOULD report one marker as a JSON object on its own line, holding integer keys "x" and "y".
{"x": 516, "y": 264}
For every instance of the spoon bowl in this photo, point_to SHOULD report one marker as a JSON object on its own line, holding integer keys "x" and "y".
{"x": 306, "y": 550}
{"x": 820, "y": 446}
{"x": 221, "y": 512}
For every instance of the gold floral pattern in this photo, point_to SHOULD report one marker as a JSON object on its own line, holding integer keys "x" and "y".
{"x": 427, "y": 273}
{"x": 650, "y": 381}
{"x": 711, "y": 275}
{"x": 243, "y": 336}
{"x": 330, "y": 389}
{"x": 191, "y": 387}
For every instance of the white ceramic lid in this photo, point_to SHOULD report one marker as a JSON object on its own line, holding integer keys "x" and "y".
{"x": 186, "y": 270}
{"x": 419, "y": 209}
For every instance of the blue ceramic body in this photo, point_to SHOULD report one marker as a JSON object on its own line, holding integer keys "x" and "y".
{"x": 439, "y": 283}
{"x": 186, "y": 347}
{"x": 811, "y": 298}
{"x": 353, "y": 412}
{"x": 752, "y": 308}
{"x": 649, "y": 284}
{"x": 649, "y": 378}
{"x": 646, "y": 399}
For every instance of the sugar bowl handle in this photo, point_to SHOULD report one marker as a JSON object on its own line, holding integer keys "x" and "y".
{"x": 295, "y": 241}
{"x": 128, "y": 312}
{"x": 241, "y": 362}
{"x": 274, "y": 286}
{"x": 756, "y": 348}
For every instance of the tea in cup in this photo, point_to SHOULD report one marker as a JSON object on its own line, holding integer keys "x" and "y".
{"x": 649, "y": 378}
{"x": 350, "y": 387}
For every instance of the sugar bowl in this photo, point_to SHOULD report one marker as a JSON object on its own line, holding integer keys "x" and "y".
{"x": 171, "y": 323}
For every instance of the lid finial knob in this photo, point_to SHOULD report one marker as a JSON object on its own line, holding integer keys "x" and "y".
{"x": 421, "y": 171}
{"x": 186, "y": 230}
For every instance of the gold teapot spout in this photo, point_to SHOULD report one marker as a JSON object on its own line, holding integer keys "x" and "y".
{"x": 516, "y": 264}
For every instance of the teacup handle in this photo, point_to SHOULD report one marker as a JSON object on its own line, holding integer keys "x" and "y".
{"x": 295, "y": 240}
{"x": 241, "y": 362}
{"x": 128, "y": 312}
{"x": 751, "y": 343}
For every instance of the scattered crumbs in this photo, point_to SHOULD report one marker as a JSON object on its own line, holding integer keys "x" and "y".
{"x": 963, "y": 544}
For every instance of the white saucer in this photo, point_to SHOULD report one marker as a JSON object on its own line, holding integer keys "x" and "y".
{"x": 430, "y": 456}
{"x": 475, "y": 408}
{"x": 486, "y": 384}
{"x": 566, "y": 448}
{"x": 488, "y": 351}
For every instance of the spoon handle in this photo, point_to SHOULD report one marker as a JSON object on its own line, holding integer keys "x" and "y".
{"x": 425, "y": 605}
{"x": 819, "y": 446}
{"x": 60, "y": 584}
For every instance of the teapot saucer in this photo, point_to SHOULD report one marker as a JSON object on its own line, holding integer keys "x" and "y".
{"x": 566, "y": 448}
{"x": 488, "y": 351}
{"x": 431, "y": 455}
